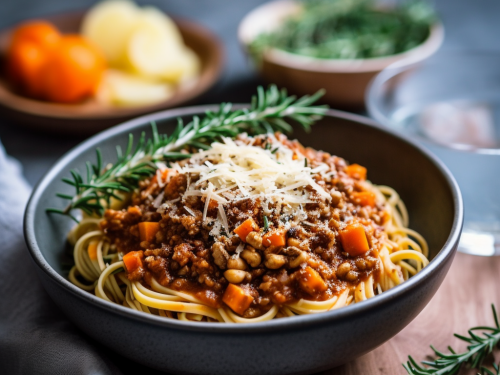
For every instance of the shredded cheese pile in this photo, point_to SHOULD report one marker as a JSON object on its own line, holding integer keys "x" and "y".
{"x": 234, "y": 170}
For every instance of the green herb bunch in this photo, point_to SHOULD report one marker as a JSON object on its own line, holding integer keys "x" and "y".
{"x": 270, "y": 110}
{"x": 350, "y": 29}
{"x": 481, "y": 342}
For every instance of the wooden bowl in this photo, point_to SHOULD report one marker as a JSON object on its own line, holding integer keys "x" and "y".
{"x": 345, "y": 81}
{"x": 91, "y": 116}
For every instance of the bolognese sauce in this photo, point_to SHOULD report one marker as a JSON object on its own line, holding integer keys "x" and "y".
{"x": 307, "y": 228}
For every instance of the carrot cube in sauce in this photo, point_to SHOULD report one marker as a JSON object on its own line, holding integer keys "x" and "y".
{"x": 356, "y": 171}
{"x": 274, "y": 238}
{"x": 364, "y": 198}
{"x": 236, "y": 298}
{"x": 213, "y": 204}
{"x": 249, "y": 225}
{"x": 162, "y": 174}
{"x": 148, "y": 230}
{"x": 353, "y": 239}
{"x": 134, "y": 210}
{"x": 133, "y": 260}
{"x": 311, "y": 282}
{"x": 92, "y": 250}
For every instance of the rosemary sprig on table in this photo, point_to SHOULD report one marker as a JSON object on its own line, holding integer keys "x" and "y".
{"x": 489, "y": 372}
{"x": 478, "y": 349}
{"x": 270, "y": 111}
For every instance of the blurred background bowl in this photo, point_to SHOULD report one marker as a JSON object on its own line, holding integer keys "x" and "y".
{"x": 92, "y": 116}
{"x": 345, "y": 81}
{"x": 451, "y": 105}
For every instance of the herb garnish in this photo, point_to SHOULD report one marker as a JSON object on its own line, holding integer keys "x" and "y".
{"x": 270, "y": 111}
{"x": 478, "y": 349}
{"x": 350, "y": 29}
{"x": 266, "y": 224}
{"x": 489, "y": 372}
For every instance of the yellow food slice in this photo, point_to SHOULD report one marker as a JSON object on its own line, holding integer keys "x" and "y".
{"x": 109, "y": 25}
{"x": 155, "y": 17}
{"x": 124, "y": 89}
{"x": 154, "y": 45}
{"x": 184, "y": 68}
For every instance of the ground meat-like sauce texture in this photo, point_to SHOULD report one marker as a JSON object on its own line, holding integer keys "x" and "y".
{"x": 186, "y": 256}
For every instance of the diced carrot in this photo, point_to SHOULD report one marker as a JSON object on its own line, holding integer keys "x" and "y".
{"x": 92, "y": 249}
{"x": 236, "y": 298}
{"x": 311, "y": 282}
{"x": 148, "y": 230}
{"x": 356, "y": 171}
{"x": 364, "y": 198}
{"x": 249, "y": 225}
{"x": 163, "y": 175}
{"x": 353, "y": 239}
{"x": 275, "y": 237}
{"x": 134, "y": 210}
{"x": 133, "y": 260}
{"x": 213, "y": 204}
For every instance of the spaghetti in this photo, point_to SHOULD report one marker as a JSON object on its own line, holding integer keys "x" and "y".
{"x": 250, "y": 230}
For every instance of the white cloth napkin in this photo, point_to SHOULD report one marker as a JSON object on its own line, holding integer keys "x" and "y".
{"x": 35, "y": 337}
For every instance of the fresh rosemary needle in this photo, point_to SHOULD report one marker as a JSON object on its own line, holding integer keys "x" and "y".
{"x": 270, "y": 111}
{"x": 479, "y": 347}
{"x": 486, "y": 371}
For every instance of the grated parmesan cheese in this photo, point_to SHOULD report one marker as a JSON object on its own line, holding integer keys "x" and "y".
{"x": 158, "y": 200}
{"x": 240, "y": 248}
{"x": 190, "y": 211}
{"x": 167, "y": 205}
{"x": 257, "y": 173}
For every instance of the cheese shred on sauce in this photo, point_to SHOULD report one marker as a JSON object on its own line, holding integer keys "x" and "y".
{"x": 273, "y": 173}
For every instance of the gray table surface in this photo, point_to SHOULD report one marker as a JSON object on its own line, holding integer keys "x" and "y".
{"x": 470, "y": 25}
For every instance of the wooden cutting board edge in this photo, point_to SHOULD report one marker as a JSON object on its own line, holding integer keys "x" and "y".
{"x": 463, "y": 301}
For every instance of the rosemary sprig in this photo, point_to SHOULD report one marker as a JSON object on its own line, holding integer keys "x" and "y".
{"x": 486, "y": 371}
{"x": 478, "y": 349}
{"x": 270, "y": 111}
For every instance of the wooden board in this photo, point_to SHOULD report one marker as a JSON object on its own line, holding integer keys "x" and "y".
{"x": 463, "y": 301}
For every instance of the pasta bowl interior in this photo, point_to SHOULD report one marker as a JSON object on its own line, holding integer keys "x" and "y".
{"x": 328, "y": 269}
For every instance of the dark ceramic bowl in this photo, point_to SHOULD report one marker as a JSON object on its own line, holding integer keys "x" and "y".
{"x": 297, "y": 345}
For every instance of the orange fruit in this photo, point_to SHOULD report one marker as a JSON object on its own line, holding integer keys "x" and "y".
{"x": 72, "y": 71}
{"x": 24, "y": 63}
{"x": 30, "y": 44}
{"x": 42, "y": 33}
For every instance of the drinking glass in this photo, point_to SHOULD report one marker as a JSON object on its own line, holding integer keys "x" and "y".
{"x": 451, "y": 104}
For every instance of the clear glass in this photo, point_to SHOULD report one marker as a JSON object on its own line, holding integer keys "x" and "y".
{"x": 451, "y": 104}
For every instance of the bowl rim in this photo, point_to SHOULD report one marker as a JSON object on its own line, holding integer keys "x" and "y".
{"x": 206, "y": 79}
{"x": 298, "y": 322}
{"x": 313, "y": 64}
